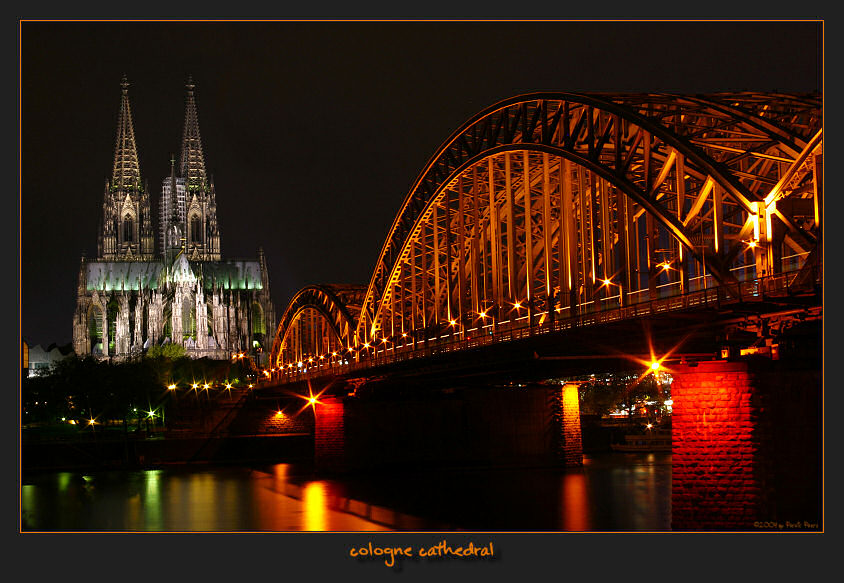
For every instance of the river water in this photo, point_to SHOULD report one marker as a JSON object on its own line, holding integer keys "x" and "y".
{"x": 612, "y": 492}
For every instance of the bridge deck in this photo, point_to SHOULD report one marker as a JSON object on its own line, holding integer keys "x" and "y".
{"x": 675, "y": 316}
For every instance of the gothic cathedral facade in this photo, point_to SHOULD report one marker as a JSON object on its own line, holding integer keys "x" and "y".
{"x": 133, "y": 297}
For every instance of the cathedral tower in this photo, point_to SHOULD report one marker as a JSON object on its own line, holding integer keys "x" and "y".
{"x": 131, "y": 299}
{"x": 126, "y": 230}
{"x": 188, "y": 202}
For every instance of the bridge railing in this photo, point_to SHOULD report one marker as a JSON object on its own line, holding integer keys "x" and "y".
{"x": 594, "y": 313}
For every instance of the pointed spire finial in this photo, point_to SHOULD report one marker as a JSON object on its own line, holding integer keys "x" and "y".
{"x": 192, "y": 166}
{"x": 126, "y": 172}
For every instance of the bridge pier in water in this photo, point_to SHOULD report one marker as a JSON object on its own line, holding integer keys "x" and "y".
{"x": 531, "y": 425}
{"x": 330, "y": 435}
{"x": 746, "y": 446}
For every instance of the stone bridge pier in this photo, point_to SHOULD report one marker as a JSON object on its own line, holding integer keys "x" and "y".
{"x": 746, "y": 452}
{"x": 530, "y": 425}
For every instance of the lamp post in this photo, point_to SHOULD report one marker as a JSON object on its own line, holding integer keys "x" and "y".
{"x": 608, "y": 283}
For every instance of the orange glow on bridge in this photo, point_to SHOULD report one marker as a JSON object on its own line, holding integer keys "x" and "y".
{"x": 521, "y": 222}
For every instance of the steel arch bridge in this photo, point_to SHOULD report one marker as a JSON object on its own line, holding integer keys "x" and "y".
{"x": 548, "y": 206}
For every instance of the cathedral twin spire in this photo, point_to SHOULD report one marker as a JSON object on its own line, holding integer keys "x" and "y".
{"x": 127, "y": 171}
{"x": 192, "y": 165}
{"x": 187, "y": 203}
{"x": 161, "y": 292}
{"x": 126, "y": 228}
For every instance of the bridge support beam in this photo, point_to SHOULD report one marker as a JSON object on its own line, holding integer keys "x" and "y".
{"x": 330, "y": 435}
{"x": 745, "y": 452}
{"x": 571, "y": 443}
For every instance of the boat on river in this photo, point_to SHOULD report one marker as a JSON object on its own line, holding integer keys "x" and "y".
{"x": 646, "y": 442}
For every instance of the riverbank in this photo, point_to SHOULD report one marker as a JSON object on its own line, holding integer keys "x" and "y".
{"x": 141, "y": 452}
{"x": 265, "y": 437}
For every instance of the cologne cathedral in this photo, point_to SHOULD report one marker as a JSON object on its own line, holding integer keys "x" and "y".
{"x": 134, "y": 296}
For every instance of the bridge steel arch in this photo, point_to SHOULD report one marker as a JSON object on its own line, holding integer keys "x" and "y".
{"x": 551, "y": 205}
{"x": 319, "y": 319}
{"x": 581, "y": 201}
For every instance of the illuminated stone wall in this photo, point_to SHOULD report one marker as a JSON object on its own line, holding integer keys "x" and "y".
{"x": 330, "y": 436}
{"x": 205, "y": 307}
{"x": 716, "y": 473}
{"x": 571, "y": 447}
{"x": 745, "y": 452}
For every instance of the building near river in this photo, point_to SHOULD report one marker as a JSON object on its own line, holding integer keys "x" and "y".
{"x": 136, "y": 295}
{"x": 38, "y": 360}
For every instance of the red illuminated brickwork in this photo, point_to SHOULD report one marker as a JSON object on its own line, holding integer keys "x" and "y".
{"x": 718, "y": 470}
{"x": 330, "y": 435}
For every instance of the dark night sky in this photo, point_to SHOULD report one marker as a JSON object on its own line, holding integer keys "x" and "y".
{"x": 315, "y": 131}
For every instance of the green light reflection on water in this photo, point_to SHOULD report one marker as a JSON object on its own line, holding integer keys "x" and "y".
{"x": 29, "y": 501}
{"x": 63, "y": 480}
{"x": 152, "y": 500}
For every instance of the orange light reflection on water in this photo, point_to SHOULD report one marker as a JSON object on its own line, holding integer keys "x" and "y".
{"x": 575, "y": 502}
{"x": 288, "y": 504}
{"x": 315, "y": 500}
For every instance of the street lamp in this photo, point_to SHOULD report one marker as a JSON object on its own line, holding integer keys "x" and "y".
{"x": 608, "y": 283}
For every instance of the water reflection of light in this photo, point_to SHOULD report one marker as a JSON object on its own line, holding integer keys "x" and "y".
{"x": 231, "y": 501}
{"x": 641, "y": 492}
{"x": 29, "y": 504}
{"x": 134, "y": 514}
{"x": 152, "y": 500}
{"x": 279, "y": 476}
{"x": 177, "y": 502}
{"x": 575, "y": 502}
{"x": 316, "y": 506}
{"x": 63, "y": 481}
{"x": 203, "y": 508}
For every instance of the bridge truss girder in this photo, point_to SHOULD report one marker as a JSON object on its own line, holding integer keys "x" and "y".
{"x": 679, "y": 181}
{"x": 552, "y": 204}
{"x": 319, "y": 320}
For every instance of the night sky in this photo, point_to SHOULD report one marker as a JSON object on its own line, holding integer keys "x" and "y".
{"x": 315, "y": 131}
